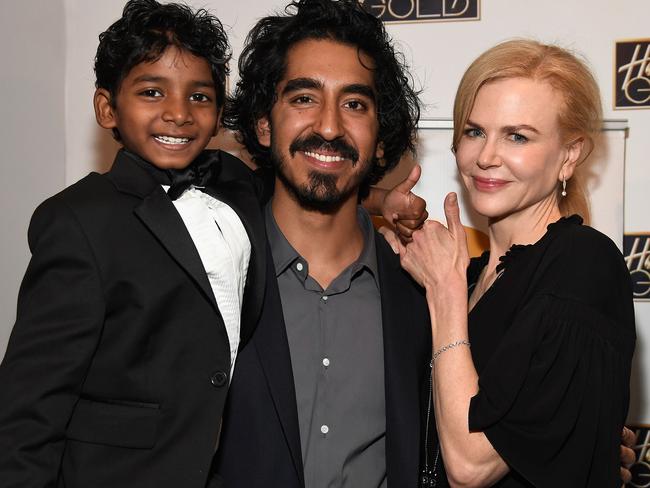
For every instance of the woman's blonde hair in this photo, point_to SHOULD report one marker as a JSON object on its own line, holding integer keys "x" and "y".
{"x": 579, "y": 116}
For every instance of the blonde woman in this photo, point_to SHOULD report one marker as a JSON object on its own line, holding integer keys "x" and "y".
{"x": 540, "y": 397}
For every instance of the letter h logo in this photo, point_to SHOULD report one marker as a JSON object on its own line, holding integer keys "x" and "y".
{"x": 632, "y": 74}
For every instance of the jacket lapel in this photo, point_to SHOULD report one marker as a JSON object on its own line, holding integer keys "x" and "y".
{"x": 405, "y": 326}
{"x": 272, "y": 346}
{"x": 158, "y": 214}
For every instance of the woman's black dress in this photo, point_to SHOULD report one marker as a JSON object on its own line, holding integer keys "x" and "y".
{"x": 552, "y": 342}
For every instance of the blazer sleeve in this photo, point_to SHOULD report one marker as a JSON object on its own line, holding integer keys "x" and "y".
{"x": 59, "y": 320}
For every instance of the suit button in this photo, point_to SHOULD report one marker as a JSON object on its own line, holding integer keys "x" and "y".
{"x": 219, "y": 378}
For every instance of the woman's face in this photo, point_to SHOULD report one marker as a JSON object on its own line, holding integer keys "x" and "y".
{"x": 511, "y": 154}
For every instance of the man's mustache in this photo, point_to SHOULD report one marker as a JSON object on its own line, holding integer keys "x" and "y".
{"x": 314, "y": 143}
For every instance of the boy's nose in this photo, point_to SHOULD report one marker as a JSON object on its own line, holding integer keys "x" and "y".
{"x": 177, "y": 111}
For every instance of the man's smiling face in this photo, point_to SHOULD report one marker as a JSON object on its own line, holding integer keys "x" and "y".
{"x": 323, "y": 127}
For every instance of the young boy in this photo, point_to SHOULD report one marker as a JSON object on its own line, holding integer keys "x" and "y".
{"x": 143, "y": 281}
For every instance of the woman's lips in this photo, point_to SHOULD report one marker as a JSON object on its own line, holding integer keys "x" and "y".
{"x": 488, "y": 184}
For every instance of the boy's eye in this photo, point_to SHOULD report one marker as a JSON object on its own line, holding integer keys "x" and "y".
{"x": 151, "y": 92}
{"x": 199, "y": 97}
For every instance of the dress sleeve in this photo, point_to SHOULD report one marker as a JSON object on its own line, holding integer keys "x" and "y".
{"x": 553, "y": 396}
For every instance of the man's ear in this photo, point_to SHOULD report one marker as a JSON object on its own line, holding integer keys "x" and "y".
{"x": 263, "y": 130}
{"x": 379, "y": 153}
{"x": 104, "y": 110}
{"x": 573, "y": 153}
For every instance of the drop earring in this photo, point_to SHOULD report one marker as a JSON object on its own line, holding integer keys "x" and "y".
{"x": 563, "y": 186}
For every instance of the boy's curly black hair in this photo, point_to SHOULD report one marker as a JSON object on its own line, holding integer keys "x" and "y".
{"x": 147, "y": 28}
{"x": 263, "y": 61}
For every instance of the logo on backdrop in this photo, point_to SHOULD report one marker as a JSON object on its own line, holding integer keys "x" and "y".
{"x": 636, "y": 249}
{"x": 423, "y": 10}
{"x": 632, "y": 75}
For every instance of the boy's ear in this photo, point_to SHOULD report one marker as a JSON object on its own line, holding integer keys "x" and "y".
{"x": 264, "y": 132}
{"x": 217, "y": 126}
{"x": 104, "y": 110}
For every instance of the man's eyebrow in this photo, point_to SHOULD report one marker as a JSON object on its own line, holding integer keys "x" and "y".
{"x": 301, "y": 84}
{"x": 360, "y": 89}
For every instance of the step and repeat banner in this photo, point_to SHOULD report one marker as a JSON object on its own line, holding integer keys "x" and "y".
{"x": 439, "y": 39}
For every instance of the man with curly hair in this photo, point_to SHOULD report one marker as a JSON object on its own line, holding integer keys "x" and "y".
{"x": 332, "y": 389}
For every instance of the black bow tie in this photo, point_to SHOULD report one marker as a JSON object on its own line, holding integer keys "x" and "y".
{"x": 198, "y": 174}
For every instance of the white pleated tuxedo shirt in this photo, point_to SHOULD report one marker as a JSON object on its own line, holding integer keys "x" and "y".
{"x": 224, "y": 248}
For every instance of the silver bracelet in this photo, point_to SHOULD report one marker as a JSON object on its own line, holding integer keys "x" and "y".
{"x": 449, "y": 346}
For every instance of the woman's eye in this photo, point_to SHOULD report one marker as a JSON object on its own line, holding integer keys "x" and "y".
{"x": 518, "y": 138}
{"x": 473, "y": 132}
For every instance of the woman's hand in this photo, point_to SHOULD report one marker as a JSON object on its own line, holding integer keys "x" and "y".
{"x": 438, "y": 257}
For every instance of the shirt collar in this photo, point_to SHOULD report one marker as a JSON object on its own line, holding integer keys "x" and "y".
{"x": 284, "y": 254}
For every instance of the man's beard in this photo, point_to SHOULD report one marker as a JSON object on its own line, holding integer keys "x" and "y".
{"x": 320, "y": 193}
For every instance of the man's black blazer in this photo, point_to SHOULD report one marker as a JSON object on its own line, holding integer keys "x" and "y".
{"x": 260, "y": 440}
{"x": 117, "y": 368}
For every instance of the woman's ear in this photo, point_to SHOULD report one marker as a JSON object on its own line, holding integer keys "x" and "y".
{"x": 104, "y": 110}
{"x": 263, "y": 130}
{"x": 573, "y": 153}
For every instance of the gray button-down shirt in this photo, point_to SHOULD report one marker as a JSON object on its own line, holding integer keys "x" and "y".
{"x": 337, "y": 354}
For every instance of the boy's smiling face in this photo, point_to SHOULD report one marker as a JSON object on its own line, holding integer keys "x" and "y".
{"x": 166, "y": 111}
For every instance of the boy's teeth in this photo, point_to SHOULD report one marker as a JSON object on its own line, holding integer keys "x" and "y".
{"x": 173, "y": 140}
{"x": 323, "y": 158}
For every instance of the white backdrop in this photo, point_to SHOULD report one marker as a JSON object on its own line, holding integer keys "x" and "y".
{"x": 437, "y": 52}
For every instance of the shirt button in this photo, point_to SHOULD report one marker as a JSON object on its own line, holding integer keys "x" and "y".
{"x": 325, "y": 297}
{"x": 326, "y": 362}
{"x": 299, "y": 266}
{"x": 324, "y": 429}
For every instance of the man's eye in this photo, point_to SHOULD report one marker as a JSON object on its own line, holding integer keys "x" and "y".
{"x": 355, "y": 105}
{"x": 199, "y": 97}
{"x": 302, "y": 99}
{"x": 150, "y": 92}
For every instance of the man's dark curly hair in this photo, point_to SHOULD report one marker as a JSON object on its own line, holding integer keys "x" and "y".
{"x": 262, "y": 65}
{"x": 147, "y": 28}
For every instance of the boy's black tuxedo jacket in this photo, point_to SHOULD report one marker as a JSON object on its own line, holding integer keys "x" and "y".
{"x": 117, "y": 368}
{"x": 260, "y": 441}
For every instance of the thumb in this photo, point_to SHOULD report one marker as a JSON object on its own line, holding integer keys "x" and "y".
{"x": 411, "y": 180}
{"x": 452, "y": 214}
